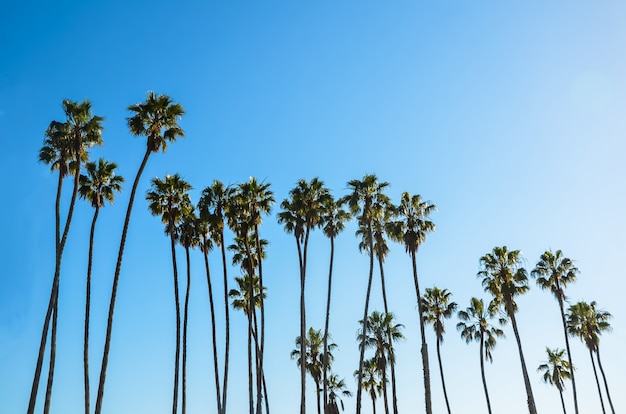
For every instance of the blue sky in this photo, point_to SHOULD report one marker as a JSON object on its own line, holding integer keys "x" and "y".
{"x": 508, "y": 116}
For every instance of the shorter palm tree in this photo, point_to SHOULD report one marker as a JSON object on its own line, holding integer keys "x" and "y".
{"x": 336, "y": 387}
{"x": 555, "y": 370}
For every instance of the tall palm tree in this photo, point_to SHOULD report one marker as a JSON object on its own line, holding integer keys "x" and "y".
{"x": 97, "y": 187}
{"x": 212, "y": 206}
{"x": 156, "y": 119}
{"x": 335, "y": 387}
{"x": 371, "y": 381}
{"x": 475, "y": 326}
{"x": 302, "y": 212}
{"x": 554, "y": 272}
{"x": 379, "y": 333}
{"x": 504, "y": 278}
{"x": 411, "y": 231}
{"x": 364, "y": 195}
{"x": 555, "y": 370}
{"x": 169, "y": 199}
{"x": 334, "y": 218}
{"x": 587, "y": 322}
{"x": 65, "y": 149}
{"x": 314, "y": 359}
{"x": 437, "y": 307}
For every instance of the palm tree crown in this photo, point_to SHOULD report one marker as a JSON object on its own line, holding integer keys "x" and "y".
{"x": 169, "y": 199}
{"x": 157, "y": 119}
{"x": 100, "y": 183}
{"x": 556, "y": 369}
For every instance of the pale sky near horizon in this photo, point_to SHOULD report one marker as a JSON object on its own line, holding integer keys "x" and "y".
{"x": 509, "y": 116}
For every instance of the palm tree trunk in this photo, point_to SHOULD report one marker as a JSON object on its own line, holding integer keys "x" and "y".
{"x": 267, "y": 405}
{"x": 562, "y": 401}
{"x": 443, "y": 382}
{"x": 373, "y": 402}
{"x": 53, "y": 350}
{"x": 251, "y": 313}
{"x": 595, "y": 373}
{"x": 326, "y": 323}
{"x": 118, "y": 267}
{"x": 367, "y": 301}
{"x": 391, "y": 359}
{"x": 302, "y": 328}
{"x": 215, "y": 364}
{"x": 185, "y": 319}
{"x": 529, "y": 391}
{"x": 250, "y": 386}
{"x": 177, "y": 302}
{"x": 261, "y": 350}
{"x": 606, "y": 385}
{"x": 317, "y": 392}
{"x": 385, "y": 400}
{"x": 52, "y": 300}
{"x": 87, "y": 309}
{"x": 482, "y": 371}
{"x": 569, "y": 353}
{"x": 227, "y": 318}
{"x": 424, "y": 350}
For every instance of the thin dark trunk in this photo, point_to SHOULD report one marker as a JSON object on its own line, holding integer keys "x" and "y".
{"x": 250, "y": 394}
{"x": 53, "y": 351}
{"x": 317, "y": 391}
{"x": 118, "y": 267}
{"x": 373, "y": 402}
{"x": 227, "y": 317}
{"x": 177, "y": 302}
{"x": 443, "y": 382}
{"x": 87, "y": 309}
{"x": 424, "y": 349}
{"x": 267, "y": 405}
{"x": 302, "y": 330}
{"x": 482, "y": 370}
{"x": 390, "y": 340}
{"x": 529, "y": 391}
{"x": 185, "y": 320}
{"x": 330, "y": 284}
{"x": 595, "y": 373}
{"x": 367, "y": 300}
{"x": 562, "y": 401}
{"x": 606, "y": 385}
{"x": 569, "y": 353}
{"x": 385, "y": 400}
{"x": 215, "y": 363}
{"x": 261, "y": 350}
{"x": 251, "y": 313}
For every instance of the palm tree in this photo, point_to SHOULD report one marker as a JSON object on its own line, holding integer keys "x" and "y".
{"x": 333, "y": 222}
{"x": 315, "y": 360}
{"x": 554, "y": 272}
{"x": 212, "y": 206}
{"x": 587, "y": 322}
{"x": 335, "y": 387}
{"x": 97, "y": 187}
{"x": 411, "y": 231}
{"x": 157, "y": 120}
{"x": 301, "y": 213}
{"x": 65, "y": 149}
{"x": 380, "y": 332}
{"x": 437, "y": 307}
{"x": 475, "y": 326}
{"x": 169, "y": 199}
{"x": 555, "y": 370}
{"x": 370, "y": 380}
{"x": 365, "y": 194}
{"x": 505, "y": 278}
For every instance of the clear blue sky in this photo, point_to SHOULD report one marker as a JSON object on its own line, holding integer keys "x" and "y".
{"x": 509, "y": 116}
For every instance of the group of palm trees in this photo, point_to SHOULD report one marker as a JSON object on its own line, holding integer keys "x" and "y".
{"x": 309, "y": 206}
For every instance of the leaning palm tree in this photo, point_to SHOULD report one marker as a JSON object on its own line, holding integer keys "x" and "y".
{"x": 313, "y": 358}
{"x": 335, "y": 387}
{"x": 411, "y": 231}
{"x": 65, "y": 149}
{"x": 302, "y": 212}
{"x": 504, "y": 278}
{"x": 334, "y": 218}
{"x": 169, "y": 199}
{"x": 555, "y": 370}
{"x": 437, "y": 307}
{"x": 587, "y": 322}
{"x": 364, "y": 195}
{"x": 156, "y": 119}
{"x": 475, "y": 326}
{"x": 554, "y": 272}
{"x": 379, "y": 333}
{"x": 371, "y": 381}
{"x": 97, "y": 187}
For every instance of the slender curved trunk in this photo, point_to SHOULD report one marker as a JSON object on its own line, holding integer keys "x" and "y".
{"x": 317, "y": 392}
{"x": 482, "y": 370}
{"x": 215, "y": 363}
{"x": 443, "y": 382}
{"x": 53, "y": 351}
{"x": 251, "y": 313}
{"x": 562, "y": 401}
{"x": 606, "y": 385}
{"x": 267, "y": 405}
{"x": 116, "y": 277}
{"x": 569, "y": 353}
{"x": 595, "y": 373}
{"x": 529, "y": 392}
{"x": 52, "y": 300}
{"x": 302, "y": 329}
{"x": 326, "y": 323}
{"x": 250, "y": 394}
{"x": 87, "y": 309}
{"x": 373, "y": 402}
{"x": 385, "y": 399}
{"x": 261, "y": 349}
{"x": 177, "y": 302}
{"x": 227, "y": 320}
{"x": 424, "y": 350}
{"x": 185, "y": 319}
{"x": 390, "y": 340}
{"x": 367, "y": 301}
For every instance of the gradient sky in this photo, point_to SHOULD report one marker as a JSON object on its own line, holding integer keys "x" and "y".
{"x": 509, "y": 116}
